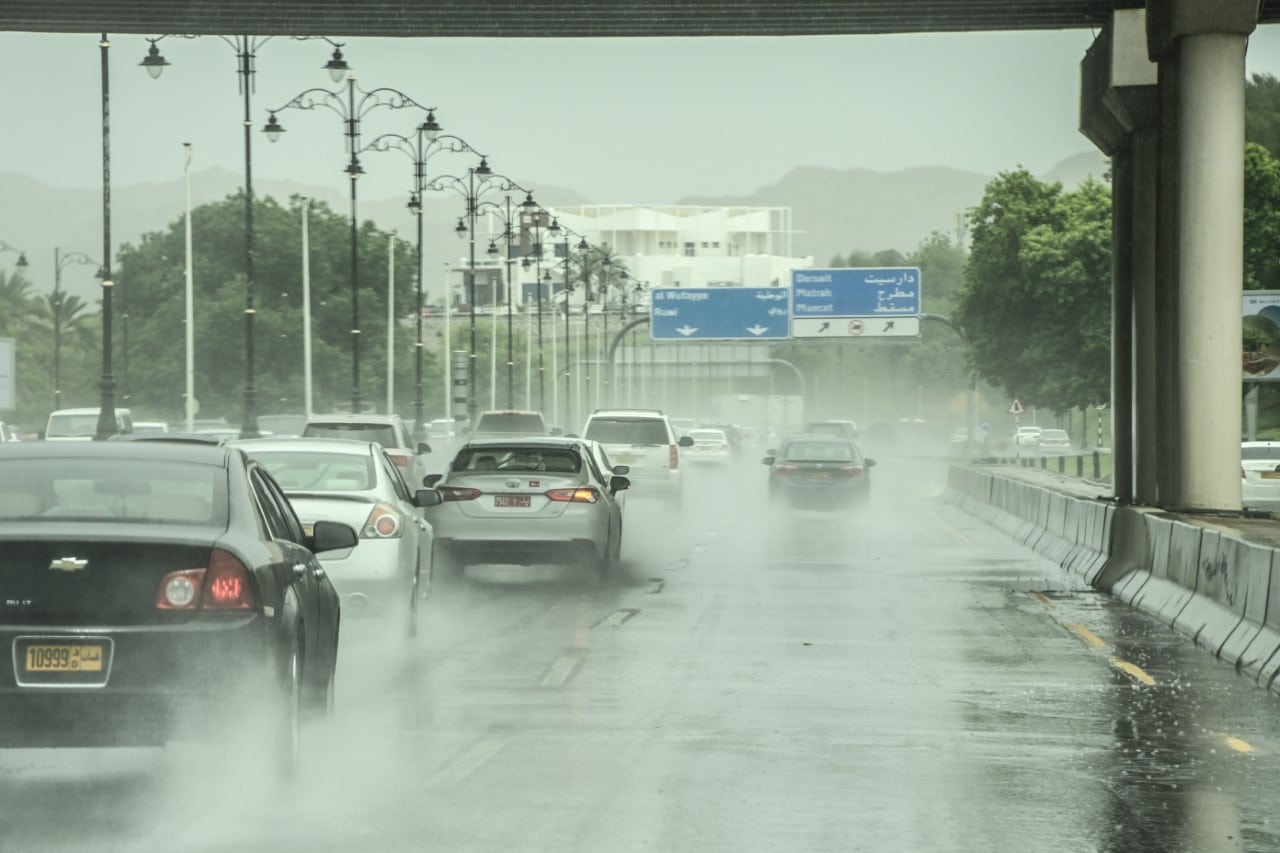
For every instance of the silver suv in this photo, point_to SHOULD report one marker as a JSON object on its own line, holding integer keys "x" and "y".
{"x": 643, "y": 440}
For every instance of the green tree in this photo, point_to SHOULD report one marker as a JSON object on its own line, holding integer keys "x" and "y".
{"x": 154, "y": 271}
{"x": 1035, "y": 305}
{"x": 1262, "y": 112}
{"x": 1261, "y": 219}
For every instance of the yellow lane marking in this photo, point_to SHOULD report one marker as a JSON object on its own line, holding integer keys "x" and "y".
{"x": 1238, "y": 745}
{"x": 1133, "y": 671}
{"x": 1086, "y": 635}
{"x": 946, "y": 525}
{"x": 1043, "y": 599}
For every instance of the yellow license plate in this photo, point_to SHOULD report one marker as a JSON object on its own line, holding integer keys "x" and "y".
{"x": 51, "y": 658}
{"x": 1271, "y": 475}
{"x": 819, "y": 475}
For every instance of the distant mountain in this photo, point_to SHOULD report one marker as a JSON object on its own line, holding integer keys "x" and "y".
{"x": 833, "y": 210}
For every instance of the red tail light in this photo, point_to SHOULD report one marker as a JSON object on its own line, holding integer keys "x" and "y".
{"x": 399, "y": 459}
{"x": 674, "y": 461}
{"x": 383, "y": 523}
{"x": 784, "y": 469}
{"x": 457, "y": 493}
{"x": 581, "y": 496}
{"x": 224, "y": 585}
{"x": 852, "y": 470}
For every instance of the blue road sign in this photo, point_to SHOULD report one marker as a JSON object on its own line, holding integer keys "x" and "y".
{"x": 718, "y": 314}
{"x": 856, "y": 292}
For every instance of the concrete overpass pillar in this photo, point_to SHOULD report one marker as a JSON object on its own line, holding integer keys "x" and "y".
{"x": 1118, "y": 112}
{"x": 1200, "y": 48}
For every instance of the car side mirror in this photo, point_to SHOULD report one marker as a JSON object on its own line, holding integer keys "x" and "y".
{"x": 431, "y": 479}
{"x": 621, "y": 469}
{"x": 618, "y": 484}
{"x": 423, "y": 447}
{"x": 685, "y": 441}
{"x": 331, "y": 536}
{"x": 427, "y": 497}
{"x": 869, "y": 462}
{"x": 768, "y": 460}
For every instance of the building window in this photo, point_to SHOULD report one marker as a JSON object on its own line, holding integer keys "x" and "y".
{"x": 690, "y": 249}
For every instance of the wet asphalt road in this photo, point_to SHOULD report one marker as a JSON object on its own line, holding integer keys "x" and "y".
{"x": 900, "y": 679}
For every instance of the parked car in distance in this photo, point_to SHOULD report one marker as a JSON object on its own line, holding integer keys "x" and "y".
{"x": 507, "y": 423}
{"x": 387, "y": 430}
{"x": 154, "y": 589}
{"x": 441, "y": 429}
{"x": 1260, "y": 475}
{"x": 82, "y": 424}
{"x": 8, "y": 433}
{"x": 150, "y": 427}
{"x": 818, "y": 471}
{"x": 529, "y": 501}
{"x": 1055, "y": 439}
{"x": 1027, "y": 436}
{"x": 357, "y": 484}
{"x": 644, "y": 441}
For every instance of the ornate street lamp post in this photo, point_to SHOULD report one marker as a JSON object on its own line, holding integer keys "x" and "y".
{"x": 479, "y": 180}
{"x": 351, "y": 110}
{"x": 22, "y": 256}
{"x": 426, "y": 142}
{"x": 246, "y": 48}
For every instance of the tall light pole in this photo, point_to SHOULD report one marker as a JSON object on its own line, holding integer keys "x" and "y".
{"x": 107, "y": 425}
{"x": 55, "y": 304}
{"x": 426, "y": 142}
{"x": 351, "y": 110}
{"x": 479, "y": 179}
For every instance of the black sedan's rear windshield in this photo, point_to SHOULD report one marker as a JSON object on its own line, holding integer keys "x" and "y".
{"x": 383, "y": 434}
{"x": 516, "y": 423}
{"x": 149, "y": 491}
{"x": 628, "y": 431}
{"x": 818, "y": 451}
{"x": 522, "y": 459}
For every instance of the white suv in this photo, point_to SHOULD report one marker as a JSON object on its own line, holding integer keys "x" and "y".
{"x": 644, "y": 441}
{"x": 387, "y": 430}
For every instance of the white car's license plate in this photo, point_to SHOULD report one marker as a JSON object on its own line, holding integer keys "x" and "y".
{"x": 521, "y": 501}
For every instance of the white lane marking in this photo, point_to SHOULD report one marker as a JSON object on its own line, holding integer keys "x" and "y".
{"x": 469, "y": 761}
{"x": 564, "y": 667}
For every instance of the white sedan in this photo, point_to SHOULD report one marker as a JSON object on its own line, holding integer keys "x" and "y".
{"x": 357, "y": 483}
{"x": 1260, "y": 475}
{"x": 709, "y": 445}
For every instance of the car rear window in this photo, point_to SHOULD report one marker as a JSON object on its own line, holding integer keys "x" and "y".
{"x": 549, "y": 460}
{"x": 1269, "y": 453}
{"x": 818, "y": 451}
{"x": 383, "y": 434}
{"x": 707, "y": 435}
{"x": 72, "y": 426}
{"x": 519, "y": 423}
{"x": 628, "y": 431}
{"x": 298, "y": 471}
{"x": 114, "y": 490}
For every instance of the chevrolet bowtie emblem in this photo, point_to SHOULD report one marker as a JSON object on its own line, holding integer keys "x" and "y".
{"x": 68, "y": 564}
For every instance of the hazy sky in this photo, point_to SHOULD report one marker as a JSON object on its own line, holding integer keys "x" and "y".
{"x": 647, "y": 120}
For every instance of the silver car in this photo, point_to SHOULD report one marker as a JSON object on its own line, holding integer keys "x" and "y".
{"x": 357, "y": 483}
{"x": 387, "y": 430}
{"x": 529, "y": 501}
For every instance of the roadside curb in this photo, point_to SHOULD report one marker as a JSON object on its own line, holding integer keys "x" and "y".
{"x": 1207, "y": 581}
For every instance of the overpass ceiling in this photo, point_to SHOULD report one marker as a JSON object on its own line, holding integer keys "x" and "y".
{"x": 563, "y": 18}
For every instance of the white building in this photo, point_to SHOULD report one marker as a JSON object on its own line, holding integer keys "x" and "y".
{"x": 690, "y": 245}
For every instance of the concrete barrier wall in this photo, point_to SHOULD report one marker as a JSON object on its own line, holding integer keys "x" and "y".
{"x": 1206, "y": 580}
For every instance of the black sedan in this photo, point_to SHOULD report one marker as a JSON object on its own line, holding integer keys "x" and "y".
{"x": 158, "y": 589}
{"x": 817, "y": 471}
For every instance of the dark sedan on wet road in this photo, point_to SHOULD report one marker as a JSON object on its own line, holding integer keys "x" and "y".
{"x": 155, "y": 589}
{"x": 818, "y": 472}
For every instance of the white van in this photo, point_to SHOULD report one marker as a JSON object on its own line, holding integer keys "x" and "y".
{"x": 82, "y": 424}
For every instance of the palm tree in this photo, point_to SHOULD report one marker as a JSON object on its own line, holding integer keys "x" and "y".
{"x": 18, "y": 305}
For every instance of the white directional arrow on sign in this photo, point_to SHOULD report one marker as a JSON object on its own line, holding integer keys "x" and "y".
{"x": 686, "y": 330}
{"x": 757, "y": 329}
